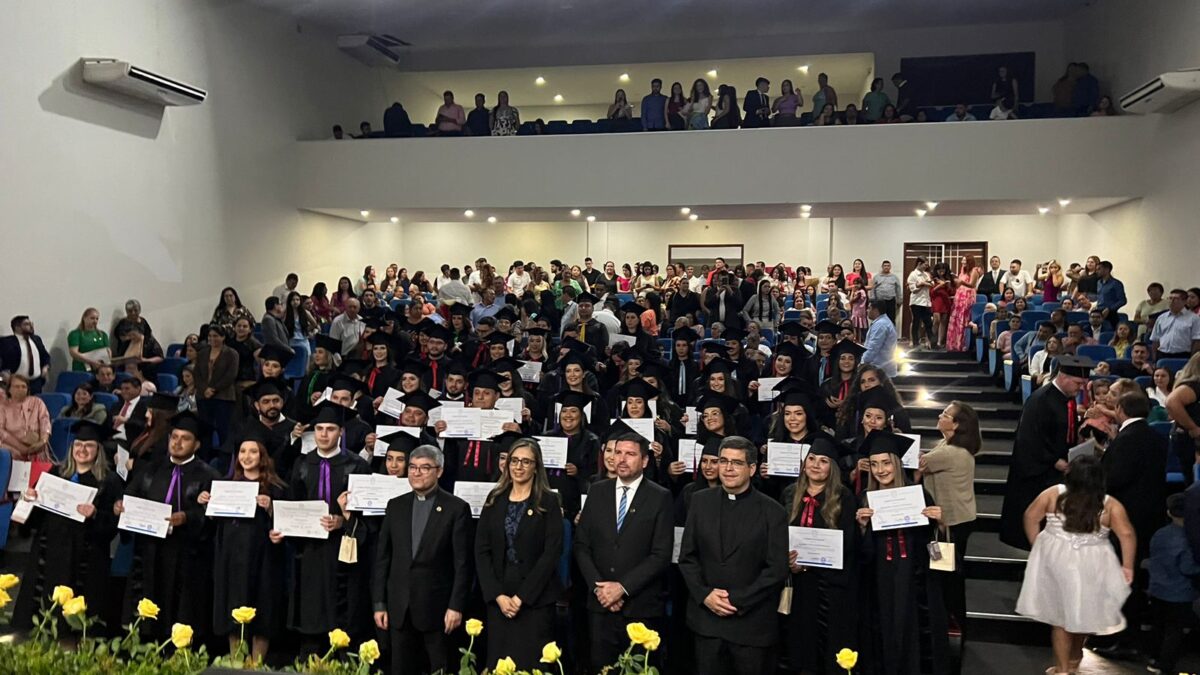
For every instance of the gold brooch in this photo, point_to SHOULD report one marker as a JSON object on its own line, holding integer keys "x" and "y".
{"x": 529, "y": 512}
{"x": 439, "y": 509}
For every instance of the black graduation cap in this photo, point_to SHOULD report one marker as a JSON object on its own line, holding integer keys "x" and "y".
{"x": 506, "y": 365}
{"x": 343, "y": 382}
{"x": 504, "y": 441}
{"x": 639, "y": 388}
{"x": 87, "y": 430}
{"x": 414, "y": 366}
{"x": 400, "y": 441}
{"x": 879, "y": 442}
{"x": 878, "y": 398}
{"x": 538, "y": 331}
{"x": 714, "y": 347}
{"x": 189, "y": 421}
{"x": 847, "y": 347}
{"x": 256, "y": 433}
{"x": 712, "y": 399}
{"x": 797, "y": 391}
{"x": 1076, "y": 366}
{"x": 574, "y": 345}
{"x": 419, "y": 399}
{"x": 275, "y": 353}
{"x": 270, "y": 386}
{"x": 163, "y": 402}
{"x": 329, "y": 344}
{"x": 827, "y": 327}
{"x": 460, "y": 309}
{"x": 439, "y": 332}
{"x": 586, "y": 297}
{"x": 793, "y": 351}
{"x": 791, "y": 329}
{"x": 711, "y": 447}
{"x": 573, "y": 399}
{"x": 685, "y": 334}
{"x": 733, "y": 334}
{"x": 328, "y": 412}
{"x": 656, "y": 369}
{"x": 636, "y": 354}
{"x": 718, "y": 365}
{"x": 584, "y": 360}
{"x": 506, "y": 313}
{"x": 356, "y": 366}
{"x": 379, "y": 338}
{"x": 632, "y": 308}
{"x": 498, "y": 338}
{"x": 618, "y": 429}
{"x": 484, "y": 378}
{"x": 823, "y": 446}
{"x": 458, "y": 367}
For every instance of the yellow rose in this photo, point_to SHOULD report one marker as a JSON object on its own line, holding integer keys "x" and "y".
{"x": 7, "y": 581}
{"x": 5, "y": 598}
{"x": 338, "y": 639}
{"x": 847, "y": 659}
{"x": 551, "y": 653}
{"x": 181, "y": 635}
{"x": 474, "y": 627}
{"x": 62, "y": 594}
{"x": 76, "y": 605}
{"x": 652, "y": 641}
{"x": 368, "y": 652}
{"x": 638, "y": 633}
{"x": 505, "y": 666}
{"x": 147, "y": 609}
{"x": 243, "y": 615}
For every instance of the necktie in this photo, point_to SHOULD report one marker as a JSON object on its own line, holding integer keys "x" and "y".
{"x": 433, "y": 365}
{"x": 174, "y": 487}
{"x": 682, "y": 378}
{"x": 582, "y": 331}
{"x": 1071, "y": 421}
{"x": 622, "y": 507}
{"x": 29, "y": 356}
{"x": 124, "y": 413}
{"x": 324, "y": 483}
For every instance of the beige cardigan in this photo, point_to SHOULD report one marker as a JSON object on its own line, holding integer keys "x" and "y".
{"x": 949, "y": 476}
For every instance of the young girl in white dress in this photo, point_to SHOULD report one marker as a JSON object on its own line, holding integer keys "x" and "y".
{"x": 1073, "y": 580}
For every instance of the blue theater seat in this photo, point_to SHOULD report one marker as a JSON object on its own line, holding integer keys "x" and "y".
{"x": 67, "y": 380}
{"x": 55, "y": 402}
{"x": 1172, "y": 365}
{"x": 166, "y": 383}
{"x": 558, "y": 127}
{"x": 1096, "y": 353}
{"x": 106, "y": 399}
{"x": 172, "y": 366}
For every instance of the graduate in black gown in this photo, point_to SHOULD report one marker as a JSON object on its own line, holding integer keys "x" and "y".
{"x": 824, "y": 611}
{"x": 66, "y": 552}
{"x": 636, "y": 395}
{"x": 326, "y": 356}
{"x": 437, "y": 340}
{"x": 905, "y": 613}
{"x": 821, "y": 366}
{"x": 583, "y": 449}
{"x": 846, "y": 356}
{"x": 268, "y": 423}
{"x": 175, "y": 572}
{"x": 681, "y": 653}
{"x": 320, "y": 596}
{"x": 382, "y": 373}
{"x": 249, "y": 570}
{"x": 415, "y": 415}
{"x": 683, "y": 367}
{"x": 475, "y": 460}
{"x": 1048, "y": 428}
{"x": 878, "y": 407}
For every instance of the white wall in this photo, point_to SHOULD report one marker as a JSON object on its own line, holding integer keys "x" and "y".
{"x": 105, "y": 199}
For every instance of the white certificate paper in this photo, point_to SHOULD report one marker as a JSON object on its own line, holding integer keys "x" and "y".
{"x": 786, "y": 459}
{"x": 554, "y": 451}
{"x": 897, "y": 508}
{"x": 122, "y": 463}
{"x": 644, "y": 427}
{"x": 912, "y": 457}
{"x": 513, "y": 405}
{"x": 232, "y": 499}
{"x": 381, "y": 447}
{"x": 491, "y": 421}
{"x": 371, "y": 492}
{"x": 693, "y": 421}
{"x": 614, "y": 338}
{"x": 145, "y": 517}
{"x": 435, "y": 415}
{"x": 689, "y": 454}
{"x": 18, "y": 480}
{"x": 766, "y": 388}
{"x": 460, "y": 422}
{"x": 308, "y": 442}
{"x": 473, "y": 493}
{"x": 530, "y": 371}
{"x": 60, "y": 496}
{"x": 677, "y": 545}
{"x": 391, "y": 405}
{"x": 816, "y": 547}
{"x": 301, "y": 519}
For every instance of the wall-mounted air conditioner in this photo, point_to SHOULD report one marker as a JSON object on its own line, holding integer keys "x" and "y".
{"x": 1164, "y": 94}
{"x": 130, "y": 80}
{"x": 373, "y": 50}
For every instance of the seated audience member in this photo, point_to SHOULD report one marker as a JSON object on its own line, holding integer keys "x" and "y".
{"x": 24, "y": 422}
{"x": 1075, "y": 337}
{"x": 1004, "y": 341}
{"x": 396, "y": 121}
{"x": 24, "y": 353}
{"x": 826, "y": 117}
{"x": 364, "y": 130}
{"x": 1173, "y": 571}
{"x": 450, "y": 116}
{"x": 1102, "y": 369}
{"x": 1003, "y": 110}
{"x": 338, "y": 133}
{"x": 87, "y": 344}
{"x": 960, "y": 114}
{"x": 1122, "y": 340}
{"x": 1095, "y": 325}
{"x": 1041, "y": 364}
{"x": 105, "y": 380}
{"x": 851, "y": 115}
{"x": 84, "y": 405}
{"x": 1160, "y": 389}
{"x": 1139, "y": 362}
{"x": 1105, "y": 108}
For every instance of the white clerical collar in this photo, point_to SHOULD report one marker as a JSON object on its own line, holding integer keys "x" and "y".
{"x": 335, "y": 453}
{"x": 1129, "y": 421}
{"x": 184, "y": 462}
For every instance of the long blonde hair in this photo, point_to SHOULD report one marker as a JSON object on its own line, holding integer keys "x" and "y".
{"x": 1190, "y": 372}
{"x": 898, "y": 469}
{"x": 541, "y": 484}
{"x": 831, "y": 510}
{"x": 99, "y": 466}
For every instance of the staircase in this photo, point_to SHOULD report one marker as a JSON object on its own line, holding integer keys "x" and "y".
{"x": 928, "y": 381}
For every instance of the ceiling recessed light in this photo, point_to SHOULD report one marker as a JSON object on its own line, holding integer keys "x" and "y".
{"x": 394, "y": 219}
{"x": 364, "y": 213}
{"x": 558, "y": 98}
{"x": 694, "y": 217}
{"x": 805, "y": 214}
{"x": 712, "y": 73}
{"x": 591, "y": 219}
{"x": 921, "y": 213}
{"x": 1043, "y": 210}
{"x": 685, "y": 210}
{"x": 803, "y": 69}
{"x": 575, "y": 212}
{"x": 806, "y": 207}
{"x": 624, "y": 77}
{"x": 491, "y": 219}
{"x": 539, "y": 81}
{"x": 1064, "y": 202}
{"x": 469, "y": 213}
{"x": 931, "y": 205}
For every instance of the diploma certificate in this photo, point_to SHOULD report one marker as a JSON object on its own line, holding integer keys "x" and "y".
{"x": 816, "y": 547}
{"x": 145, "y": 517}
{"x": 301, "y": 519}
{"x": 897, "y": 508}
{"x": 232, "y": 499}
{"x": 786, "y": 459}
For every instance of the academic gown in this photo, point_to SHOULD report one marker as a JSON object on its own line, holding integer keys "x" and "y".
{"x": 249, "y": 571}
{"x": 279, "y": 442}
{"x": 815, "y": 371}
{"x": 681, "y": 380}
{"x": 469, "y": 460}
{"x": 69, "y": 553}
{"x": 1044, "y": 434}
{"x": 435, "y": 377}
{"x": 775, "y": 486}
{"x": 379, "y": 380}
{"x": 175, "y": 572}
{"x": 583, "y": 449}
{"x": 824, "y": 616}
{"x": 836, "y": 388}
{"x": 327, "y": 594}
{"x": 312, "y": 383}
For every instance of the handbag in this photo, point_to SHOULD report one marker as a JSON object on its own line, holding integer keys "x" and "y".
{"x": 941, "y": 553}
{"x": 785, "y": 598}
{"x": 348, "y": 551}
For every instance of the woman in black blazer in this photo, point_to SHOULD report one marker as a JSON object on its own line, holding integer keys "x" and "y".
{"x": 518, "y": 544}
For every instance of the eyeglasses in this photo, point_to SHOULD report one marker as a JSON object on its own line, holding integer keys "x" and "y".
{"x": 422, "y": 468}
{"x": 522, "y": 462}
{"x": 736, "y": 463}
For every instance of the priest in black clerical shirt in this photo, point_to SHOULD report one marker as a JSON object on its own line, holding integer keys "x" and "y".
{"x": 1048, "y": 428}
{"x": 733, "y": 559}
{"x": 175, "y": 572}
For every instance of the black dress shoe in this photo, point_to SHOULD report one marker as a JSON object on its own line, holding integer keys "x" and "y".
{"x": 1118, "y": 652}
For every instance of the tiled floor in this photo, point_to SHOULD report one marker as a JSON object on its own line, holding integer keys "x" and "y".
{"x": 990, "y": 658}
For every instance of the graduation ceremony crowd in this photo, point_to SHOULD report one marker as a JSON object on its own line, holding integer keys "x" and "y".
{"x": 680, "y": 523}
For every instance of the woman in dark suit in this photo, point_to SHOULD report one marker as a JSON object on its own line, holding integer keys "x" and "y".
{"x": 518, "y": 544}
{"x": 216, "y": 382}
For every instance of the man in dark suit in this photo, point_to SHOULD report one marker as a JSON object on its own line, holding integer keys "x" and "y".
{"x": 423, "y": 568}
{"x": 733, "y": 559}
{"x": 992, "y": 281}
{"x": 757, "y": 105}
{"x": 1135, "y": 468}
{"x": 24, "y": 353}
{"x": 623, "y": 548}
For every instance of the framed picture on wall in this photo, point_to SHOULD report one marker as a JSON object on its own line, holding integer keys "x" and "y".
{"x": 703, "y": 255}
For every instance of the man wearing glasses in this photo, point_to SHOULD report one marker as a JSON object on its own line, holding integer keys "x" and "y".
{"x": 733, "y": 559}
{"x": 423, "y": 570}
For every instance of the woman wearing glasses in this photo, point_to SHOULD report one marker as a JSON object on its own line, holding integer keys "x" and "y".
{"x": 517, "y": 547}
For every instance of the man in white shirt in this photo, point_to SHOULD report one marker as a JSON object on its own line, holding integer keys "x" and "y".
{"x": 606, "y": 316}
{"x": 992, "y": 281}
{"x": 473, "y": 279}
{"x": 453, "y": 290}
{"x": 281, "y": 291}
{"x": 348, "y": 327}
{"x": 444, "y": 277}
{"x": 695, "y": 281}
{"x": 518, "y": 279}
{"x": 1019, "y": 280}
{"x": 920, "y": 306}
{"x": 1176, "y": 333}
{"x": 24, "y": 352}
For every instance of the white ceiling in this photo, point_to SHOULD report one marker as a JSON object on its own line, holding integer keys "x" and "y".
{"x": 380, "y": 213}
{"x": 448, "y": 24}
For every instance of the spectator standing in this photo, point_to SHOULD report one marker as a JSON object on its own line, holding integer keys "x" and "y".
{"x": 289, "y": 284}
{"x": 881, "y": 339}
{"x": 920, "y": 306}
{"x": 321, "y": 308}
{"x": 133, "y": 317}
{"x": 450, "y": 116}
{"x": 1086, "y": 93}
{"x": 216, "y": 378}
{"x": 885, "y": 287}
{"x": 25, "y": 354}
{"x": 396, "y": 122}
{"x": 699, "y": 105}
{"x": 727, "y": 115}
{"x": 506, "y": 120}
{"x": 1154, "y": 304}
{"x": 1110, "y": 294}
{"x": 1173, "y": 570}
{"x": 875, "y": 101}
{"x": 961, "y": 114}
{"x": 479, "y": 119}
{"x": 824, "y": 96}
{"x": 348, "y": 327}
{"x": 274, "y": 332}
{"x": 1063, "y": 91}
{"x": 757, "y": 105}
{"x": 229, "y": 309}
{"x": 785, "y": 106}
{"x": 992, "y": 282}
{"x": 654, "y": 110}
{"x": 1019, "y": 280}
{"x": 1176, "y": 332}
{"x": 88, "y": 344}
{"x": 518, "y": 279}
{"x": 1005, "y": 87}
{"x": 620, "y": 108}
{"x": 1183, "y": 407}
{"x": 674, "y": 108}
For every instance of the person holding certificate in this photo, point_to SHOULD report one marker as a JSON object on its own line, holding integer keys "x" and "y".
{"x": 716, "y": 412}
{"x": 795, "y": 422}
{"x": 899, "y": 586}
{"x": 269, "y": 398}
{"x": 785, "y": 366}
{"x": 718, "y": 377}
{"x": 357, "y": 432}
{"x": 321, "y": 582}
{"x": 846, "y": 355}
{"x": 877, "y": 406}
{"x": 681, "y": 655}
{"x": 67, "y": 552}
{"x": 635, "y": 397}
{"x": 824, "y": 610}
{"x": 518, "y": 543}
{"x": 511, "y": 387}
{"x": 582, "y": 450}
{"x": 175, "y": 571}
{"x": 422, "y": 572}
{"x": 474, "y": 459}
{"x": 382, "y": 374}
{"x": 249, "y": 570}
{"x": 415, "y": 415}
{"x": 574, "y": 369}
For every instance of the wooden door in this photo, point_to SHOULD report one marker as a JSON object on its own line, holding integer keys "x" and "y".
{"x": 953, "y": 253}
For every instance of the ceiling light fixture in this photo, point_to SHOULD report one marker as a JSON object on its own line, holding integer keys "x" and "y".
{"x": 395, "y": 220}
{"x": 1043, "y": 210}
{"x": 539, "y": 81}
{"x": 806, "y": 207}
{"x": 575, "y": 213}
{"x": 624, "y": 77}
{"x": 1064, "y": 202}
{"x": 931, "y": 205}
{"x": 921, "y": 213}
{"x": 803, "y": 69}
{"x": 694, "y": 217}
{"x": 558, "y": 98}
{"x": 469, "y": 213}
{"x": 492, "y": 219}
{"x": 712, "y": 73}
{"x": 364, "y": 213}
{"x": 591, "y": 219}
{"x": 805, "y": 214}
{"x": 685, "y": 210}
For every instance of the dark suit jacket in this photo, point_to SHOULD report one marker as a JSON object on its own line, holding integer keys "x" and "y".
{"x": 434, "y": 578}
{"x": 638, "y": 557}
{"x": 1135, "y": 465}
{"x": 135, "y": 422}
{"x": 10, "y": 353}
{"x": 989, "y": 285}
{"x": 751, "y": 105}
{"x": 538, "y": 544}
{"x": 733, "y": 308}
{"x": 753, "y": 573}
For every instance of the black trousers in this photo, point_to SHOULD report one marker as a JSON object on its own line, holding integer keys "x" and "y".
{"x": 955, "y": 583}
{"x": 609, "y": 639}
{"x": 890, "y": 309}
{"x": 1171, "y": 618}
{"x": 922, "y": 316}
{"x": 411, "y": 649}
{"x": 1173, "y": 355}
{"x": 1185, "y": 448}
{"x": 715, "y": 656}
